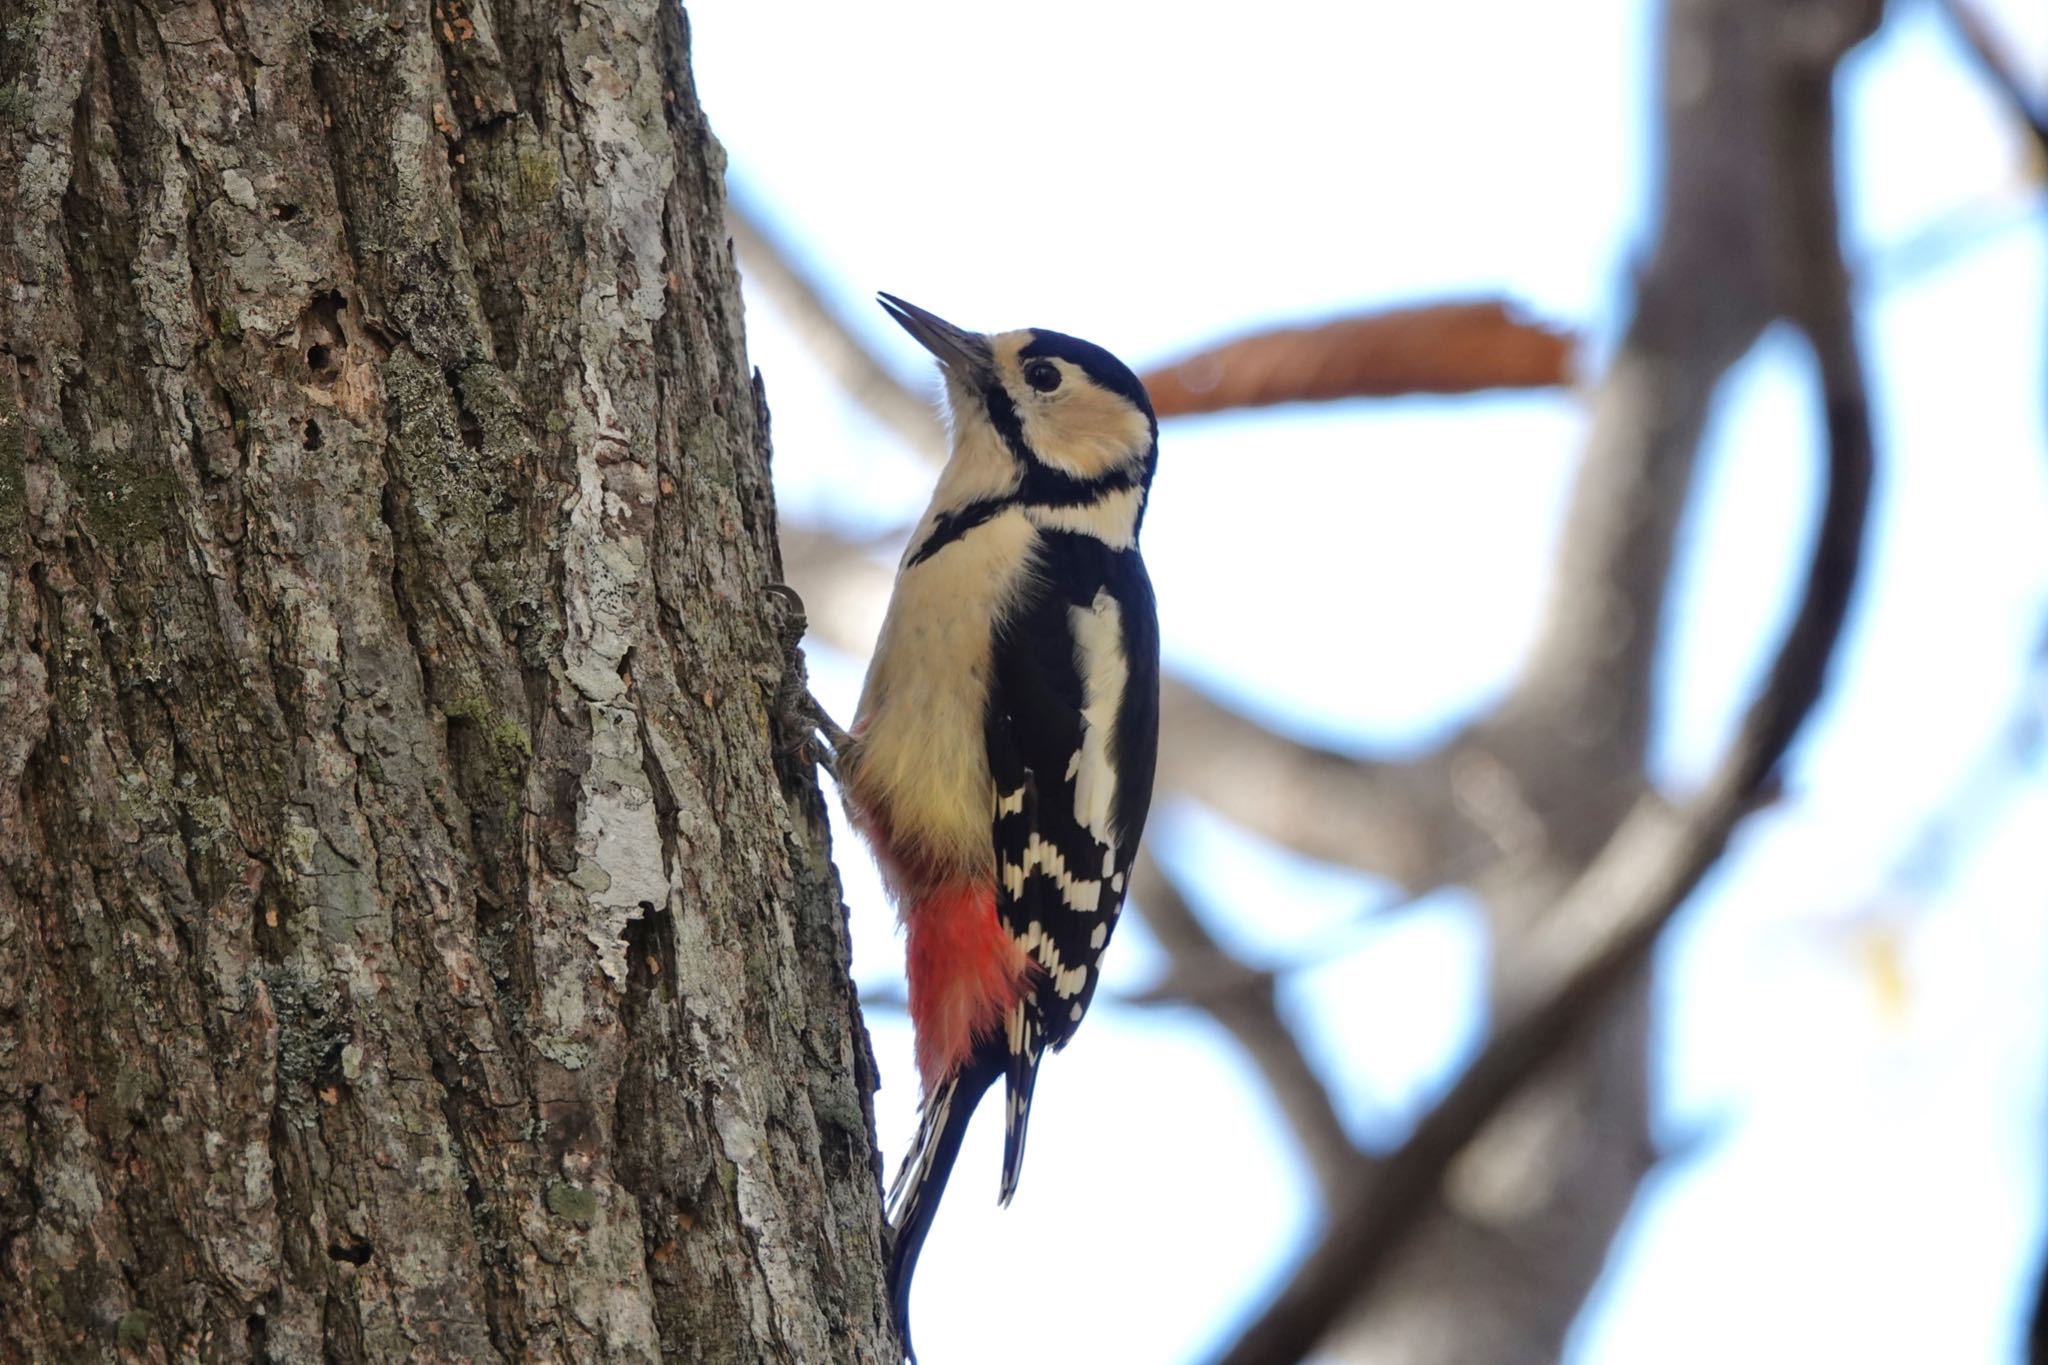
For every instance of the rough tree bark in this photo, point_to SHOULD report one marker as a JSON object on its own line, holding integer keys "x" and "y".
{"x": 409, "y": 941}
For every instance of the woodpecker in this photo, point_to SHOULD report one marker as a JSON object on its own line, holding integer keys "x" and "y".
{"x": 1001, "y": 759}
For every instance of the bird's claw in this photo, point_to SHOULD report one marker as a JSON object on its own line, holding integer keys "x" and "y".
{"x": 813, "y": 735}
{"x": 809, "y": 735}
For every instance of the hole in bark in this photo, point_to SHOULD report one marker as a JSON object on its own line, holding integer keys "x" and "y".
{"x": 287, "y": 213}
{"x": 355, "y": 1253}
{"x": 649, "y": 957}
{"x": 472, "y": 431}
{"x": 330, "y": 1081}
{"x": 320, "y": 332}
{"x": 312, "y": 435}
{"x": 507, "y": 953}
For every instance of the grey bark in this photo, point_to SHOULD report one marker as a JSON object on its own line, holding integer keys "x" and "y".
{"x": 410, "y": 943}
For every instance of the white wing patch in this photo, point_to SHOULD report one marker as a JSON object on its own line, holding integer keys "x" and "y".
{"x": 1099, "y": 658}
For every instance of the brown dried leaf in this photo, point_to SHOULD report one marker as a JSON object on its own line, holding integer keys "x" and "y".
{"x": 1435, "y": 348}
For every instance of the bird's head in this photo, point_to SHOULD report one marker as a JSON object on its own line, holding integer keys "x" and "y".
{"x": 1064, "y": 409}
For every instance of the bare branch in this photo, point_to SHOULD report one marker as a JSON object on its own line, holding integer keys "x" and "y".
{"x": 1250, "y": 1011}
{"x": 1397, "y": 819}
{"x": 1598, "y": 935}
{"x": 1711, "y": 288}
{"x": 1997, "y": 62}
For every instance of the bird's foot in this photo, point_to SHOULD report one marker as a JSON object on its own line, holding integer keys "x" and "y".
{"x": 808, "y": 733}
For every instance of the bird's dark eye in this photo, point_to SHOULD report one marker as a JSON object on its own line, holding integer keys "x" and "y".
{"x": 1042, "y": 375}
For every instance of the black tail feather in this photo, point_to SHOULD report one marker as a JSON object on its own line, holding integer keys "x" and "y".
{"x": 914, "y": 1198}
{"x": 1025, "y": 1037}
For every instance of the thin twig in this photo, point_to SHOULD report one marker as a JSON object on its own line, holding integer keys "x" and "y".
{"x": 1996, "y": 59}
{"x": 1251, "y": 1014}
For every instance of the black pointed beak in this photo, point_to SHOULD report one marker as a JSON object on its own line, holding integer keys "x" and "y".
{"x": 957, "y": 349}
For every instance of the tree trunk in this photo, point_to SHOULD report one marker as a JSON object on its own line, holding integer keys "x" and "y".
{"x": 409, "y": 942}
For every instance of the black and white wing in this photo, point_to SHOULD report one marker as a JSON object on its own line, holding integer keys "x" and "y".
{"x": 1072, "y": 740}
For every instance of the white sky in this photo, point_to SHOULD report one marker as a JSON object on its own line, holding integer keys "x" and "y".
{"x": 1854, "y": 1065}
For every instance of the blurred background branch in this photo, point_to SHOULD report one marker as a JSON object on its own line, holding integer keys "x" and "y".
{"x": 1603, "y": 927}
{"x": 1479, "y": 1232}
{"x": 1996, "y": 59}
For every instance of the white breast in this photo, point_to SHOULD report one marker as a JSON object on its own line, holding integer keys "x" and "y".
{"x": 921, "y": 764}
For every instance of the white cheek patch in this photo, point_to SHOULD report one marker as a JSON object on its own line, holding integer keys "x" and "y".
{"x": 1083, "y": 430}
{"x": 1080, "y": 429}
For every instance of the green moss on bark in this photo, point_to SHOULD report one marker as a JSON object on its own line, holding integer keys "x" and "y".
{"x": 13, "y": 471}
{"x": 572, "y": 1202}
{"x": 505, "y": 748}
{"x": 124, "y": 498}
{"x": 131, "y": 1333}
